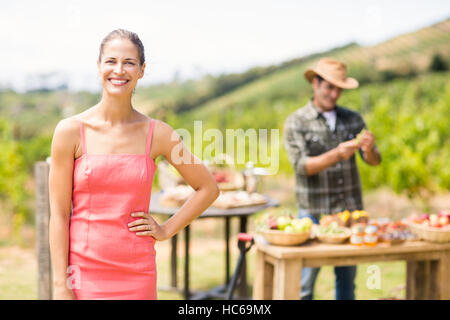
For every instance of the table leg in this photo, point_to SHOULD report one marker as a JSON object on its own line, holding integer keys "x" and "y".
{"x": 415, "y": 274}
{"x": 243, "y": 287}
{"x": 423, "y": 279}
{"x": 227, "y": 250}
{"x": 434, "y": 285}
{"x": 173, "y": 261}
{"x": 186, "y": 263}
{"x": 444, "y": 276}
{"x": 263, "y": 278}
{"x": 287, "y": 279}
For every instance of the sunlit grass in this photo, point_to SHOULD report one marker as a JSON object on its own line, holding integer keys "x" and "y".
{"x": 18, "y": 268}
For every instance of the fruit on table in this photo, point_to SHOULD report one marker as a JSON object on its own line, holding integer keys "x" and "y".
{"x": 394, "y": 231}
{"x": 444, "y": 213}
{"x": 301, "y": 224}
{"x": 345, "y": 218}
{"x": 443, "y": 221}
{"x": 396, "y": 235}
{"x": 440, "y": 220}
{"x": 332, "y": 229}
{"x": 272, "y": 223}
{"x": 221, "y": 177}
{"x": 289, "y": 228}
{"x": 286, "y": 222}
{"x": 360, "y": 216}
{"x": 326, "y": 220}
{"x": 283, "y": 222}
{"x": 434, "y": 221}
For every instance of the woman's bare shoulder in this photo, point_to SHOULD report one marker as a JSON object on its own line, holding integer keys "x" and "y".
{"x": 162, "y": 134}
{"x": 66, "y": 136}
{"x": 162, "y": 128}
{"x": 71, "y": 125}
{"x": 67, "y": 126}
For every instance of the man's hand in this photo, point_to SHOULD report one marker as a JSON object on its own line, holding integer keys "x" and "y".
{"x": 342, "y": 152}
{"x": 347, "y": 149}
{"x": 370, "y": 152}
{"x": 367, "y": 141}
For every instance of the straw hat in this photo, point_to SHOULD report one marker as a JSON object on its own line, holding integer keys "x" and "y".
{"x": 333, "y": 71}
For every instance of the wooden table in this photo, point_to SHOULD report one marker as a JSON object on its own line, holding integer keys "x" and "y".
{"x": 278, "y": 268}
{"x": 242, "y": 213}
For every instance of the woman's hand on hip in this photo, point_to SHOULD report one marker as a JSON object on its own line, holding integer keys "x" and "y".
{"x": 146, "y": 226}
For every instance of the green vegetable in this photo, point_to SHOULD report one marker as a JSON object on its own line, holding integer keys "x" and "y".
{"x": 332, "y": 229}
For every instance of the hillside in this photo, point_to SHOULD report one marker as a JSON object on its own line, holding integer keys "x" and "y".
{"x": 405, "y": 55}
{"x": 401, "y": 101}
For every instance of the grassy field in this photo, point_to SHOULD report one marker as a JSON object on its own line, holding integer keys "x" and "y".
{"x": 393, "y": 276}
{"x": 18, "y": 273}
{"x": 18, "y": 264}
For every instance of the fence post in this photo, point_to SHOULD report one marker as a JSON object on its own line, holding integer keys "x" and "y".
{"x": 41, "y": 172}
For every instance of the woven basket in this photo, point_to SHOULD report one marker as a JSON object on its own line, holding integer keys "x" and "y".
{"x": 429, "y": 233}
{"x": 334, "y": 239}
{"x": 283, "y": 238}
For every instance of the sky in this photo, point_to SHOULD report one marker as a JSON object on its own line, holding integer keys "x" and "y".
{"x": 191, "y": 38}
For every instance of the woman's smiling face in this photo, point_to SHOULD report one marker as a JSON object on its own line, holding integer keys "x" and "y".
{"x": 119, "y": 68}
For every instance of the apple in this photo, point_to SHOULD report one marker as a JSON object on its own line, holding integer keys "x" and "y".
{"x": 271, "y": 222}
{"x": 300, "y": 228}
{"x": 434, "y": 219}
{"x": 435, "y": 225}
{"x": 289, "y": 228}
{"x": 301, "y": 225}
{"x": 444, "y": 213}
{"x": 283, "y": 222}
{"x": 326, "y": 220}
{"x": 392, "y": 225}
{"x": 443, "y": 221}
{"x": 273, "y": 225}
{"x": 307, "y": 221}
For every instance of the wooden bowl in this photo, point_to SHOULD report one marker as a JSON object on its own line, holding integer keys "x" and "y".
{"x": 330, "y": 238}
{"x": 441, "y": 235}
{"x": 282, "y": 238}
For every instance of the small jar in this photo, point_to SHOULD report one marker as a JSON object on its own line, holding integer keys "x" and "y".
{"x": 370, "y": 236}
{"x": 357, "y": 237}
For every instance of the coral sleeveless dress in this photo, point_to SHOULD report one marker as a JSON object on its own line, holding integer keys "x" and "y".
{"x": 106, "y": 260}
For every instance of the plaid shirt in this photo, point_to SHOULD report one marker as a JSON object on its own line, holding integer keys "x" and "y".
{"x": 306, "y": 134}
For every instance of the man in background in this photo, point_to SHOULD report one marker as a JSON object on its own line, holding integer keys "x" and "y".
{"x": 321, "y": 145}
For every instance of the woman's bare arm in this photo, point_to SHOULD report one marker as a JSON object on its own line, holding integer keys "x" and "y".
{"x": 60, "y": 193}
{"x": 171, "y": 147}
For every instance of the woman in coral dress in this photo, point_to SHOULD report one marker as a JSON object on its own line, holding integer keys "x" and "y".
{"x": 102, "y": 165}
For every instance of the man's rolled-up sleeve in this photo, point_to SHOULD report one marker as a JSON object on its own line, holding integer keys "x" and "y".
{"x": 295, "y": 145}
